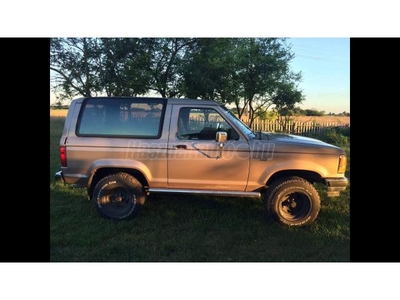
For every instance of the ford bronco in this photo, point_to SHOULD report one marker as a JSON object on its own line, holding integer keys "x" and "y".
{"x": 121, "y": 149}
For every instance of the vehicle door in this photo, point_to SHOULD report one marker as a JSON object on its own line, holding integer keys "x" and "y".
{"x": 196, "y": 160}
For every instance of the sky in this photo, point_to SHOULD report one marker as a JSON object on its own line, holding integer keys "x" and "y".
{"x": 325, "y": 67}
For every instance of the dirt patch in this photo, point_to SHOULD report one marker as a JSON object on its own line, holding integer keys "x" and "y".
{"x": 58, "y": 112}
{"x": 324, "y": 119}
{"x": 339, "y": 120}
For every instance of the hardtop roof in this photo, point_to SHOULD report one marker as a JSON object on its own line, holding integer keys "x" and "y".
{"x": 185, "y": 101}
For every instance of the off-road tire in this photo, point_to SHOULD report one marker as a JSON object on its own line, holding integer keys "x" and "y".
{"x": 118, "y": 196}
{"x": 292, "y": 201}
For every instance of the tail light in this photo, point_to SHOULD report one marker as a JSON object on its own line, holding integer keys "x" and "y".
{"x": 63, "y": 156}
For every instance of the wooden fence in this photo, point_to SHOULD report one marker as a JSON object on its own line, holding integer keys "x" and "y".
{"x": 310, "y": 129}
{"x": 299, "y": 128}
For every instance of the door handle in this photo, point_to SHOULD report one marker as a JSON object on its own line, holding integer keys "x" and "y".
{"x": 180, "y": 147}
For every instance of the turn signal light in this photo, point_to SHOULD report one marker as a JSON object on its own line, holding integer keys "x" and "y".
{"x": 342, "y": 163}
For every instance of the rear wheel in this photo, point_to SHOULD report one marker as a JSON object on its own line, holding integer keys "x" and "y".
{"x": 292, "y": 201}
{"x": 118, "y": 196}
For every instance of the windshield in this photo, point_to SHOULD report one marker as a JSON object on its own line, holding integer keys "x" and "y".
{"x": 243, "y": 127}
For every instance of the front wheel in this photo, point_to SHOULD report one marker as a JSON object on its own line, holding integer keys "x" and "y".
{"x": 292, "y": 201}
{"x": 118, "y": 196}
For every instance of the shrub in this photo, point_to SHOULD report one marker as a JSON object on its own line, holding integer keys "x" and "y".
{"x": 339, "y": 136}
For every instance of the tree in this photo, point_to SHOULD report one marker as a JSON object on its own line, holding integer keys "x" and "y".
{"x": 246, "y": 72}
{"x": 285, "y": 98}
{"x": 166, "y": 67}
{"x": 242, "y": 71}
{"x": 73, "y": 68}
{"x": 125, "y": 66}
{"x": 262, "y": 65}
{"x": 208, "y": 69}
{"x": 313, "y": 112}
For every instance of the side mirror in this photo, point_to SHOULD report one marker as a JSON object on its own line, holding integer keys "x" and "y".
{"x": 221, "y": 137}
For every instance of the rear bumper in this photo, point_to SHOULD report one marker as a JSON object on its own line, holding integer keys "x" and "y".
{"x": 335, "y": 185}
{"x": 59, "y": 177}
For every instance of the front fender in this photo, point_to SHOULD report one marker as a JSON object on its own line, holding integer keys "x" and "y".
{"x": 292, "y": 165}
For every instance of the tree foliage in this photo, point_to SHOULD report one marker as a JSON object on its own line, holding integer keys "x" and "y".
{"x": 253, "y": 74}
{"x": 74, "y": 62}
{"x": 208, "y": 69}
{"x": 124, "y": 66}
{"x": 167, "y": 65}
{"x": 285, "y": 98}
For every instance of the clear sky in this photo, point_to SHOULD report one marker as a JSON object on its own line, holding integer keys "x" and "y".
{"x": 325, "y": 65}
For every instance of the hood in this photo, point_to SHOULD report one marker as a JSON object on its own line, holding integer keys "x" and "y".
{"x": 296, "y": 143}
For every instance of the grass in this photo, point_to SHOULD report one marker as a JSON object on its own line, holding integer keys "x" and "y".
{"x": 190, "y": 228}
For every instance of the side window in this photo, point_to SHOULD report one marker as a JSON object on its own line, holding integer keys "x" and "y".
{"x": 202, "y": 124}
{"x": 131, "y": 117}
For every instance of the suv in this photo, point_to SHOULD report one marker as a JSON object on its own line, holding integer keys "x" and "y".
{"x": 121, "y": 149}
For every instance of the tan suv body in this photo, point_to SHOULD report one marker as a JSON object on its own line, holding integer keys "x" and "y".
{"x": 123, "y": 148}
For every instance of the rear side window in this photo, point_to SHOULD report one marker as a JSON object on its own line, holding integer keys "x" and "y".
{"x": 121, "y": 117}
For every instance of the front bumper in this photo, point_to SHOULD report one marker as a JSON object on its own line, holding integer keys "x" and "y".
{"x": 335, "y": 185}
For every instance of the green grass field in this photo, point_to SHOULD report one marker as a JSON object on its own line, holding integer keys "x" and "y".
{"x": 190, "y": 228}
